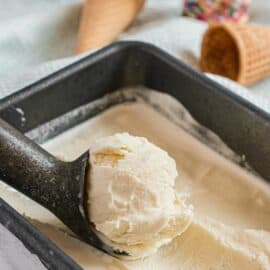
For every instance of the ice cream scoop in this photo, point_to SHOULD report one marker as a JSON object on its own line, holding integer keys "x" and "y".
{"x": 58, "y": 186}
{"x": 132, "y": 197}
{"x": 118, "y": 197}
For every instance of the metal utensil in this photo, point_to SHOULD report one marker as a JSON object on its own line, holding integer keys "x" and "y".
{"x": 58, "y": 186}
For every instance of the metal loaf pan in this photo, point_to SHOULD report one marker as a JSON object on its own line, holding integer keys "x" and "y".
{"x": 244, "y": 127}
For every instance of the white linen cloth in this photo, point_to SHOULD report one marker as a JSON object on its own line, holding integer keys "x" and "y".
{"x": 37, "y": 37}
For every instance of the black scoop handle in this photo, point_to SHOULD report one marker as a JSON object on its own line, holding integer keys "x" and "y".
{"x": 26, "y": 166}
{"x": 59, "y": 186}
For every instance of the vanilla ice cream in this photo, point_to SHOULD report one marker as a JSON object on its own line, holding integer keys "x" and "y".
{"x": 132, "y": 198}
{"x": 230, "y": 227}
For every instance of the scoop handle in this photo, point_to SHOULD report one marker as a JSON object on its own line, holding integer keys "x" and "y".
{"x": 26, "y": 166}
{"x": 59, "y": 186}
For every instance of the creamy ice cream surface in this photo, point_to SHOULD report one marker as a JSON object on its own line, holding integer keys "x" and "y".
{"x": 230, "y": 226}
{"x": 132, "y": 198}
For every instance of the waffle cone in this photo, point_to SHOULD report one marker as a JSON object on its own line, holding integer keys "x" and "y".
{"x": 102, "y": 21}
{"x": 239, "y": 52}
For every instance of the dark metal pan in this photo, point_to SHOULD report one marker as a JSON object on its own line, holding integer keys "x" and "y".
{"x": 243, "y": 126}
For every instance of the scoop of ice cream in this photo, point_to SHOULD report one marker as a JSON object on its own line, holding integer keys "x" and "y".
{"x": 132, "y": 200}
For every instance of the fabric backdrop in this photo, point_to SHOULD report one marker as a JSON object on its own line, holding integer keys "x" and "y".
{"x": 37, "y": 37}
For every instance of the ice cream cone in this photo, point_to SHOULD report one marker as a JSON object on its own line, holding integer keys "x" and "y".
{"x": 102, "y": 20}
{"x": 240, "y": 52}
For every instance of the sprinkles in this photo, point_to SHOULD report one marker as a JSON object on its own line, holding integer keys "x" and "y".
{"x": 217, "y": 10}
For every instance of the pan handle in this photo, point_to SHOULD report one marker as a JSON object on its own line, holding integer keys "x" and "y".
{"x": 27, "y": 167}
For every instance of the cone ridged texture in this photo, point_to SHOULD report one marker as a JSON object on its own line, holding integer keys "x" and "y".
{"x": 238, "y": 51}
{"x": 102, "y": 21}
